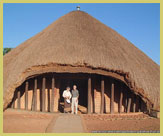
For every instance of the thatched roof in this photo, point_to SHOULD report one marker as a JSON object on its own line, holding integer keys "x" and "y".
{"x": 79, "y": 40}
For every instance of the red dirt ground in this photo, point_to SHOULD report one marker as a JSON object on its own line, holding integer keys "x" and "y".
{"x": 140, "y": 122}
{"x": 15, "y": 121}
{"x": 18, "y": 121}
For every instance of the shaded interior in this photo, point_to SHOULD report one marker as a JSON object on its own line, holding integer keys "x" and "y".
{"x": 62, "y": 80}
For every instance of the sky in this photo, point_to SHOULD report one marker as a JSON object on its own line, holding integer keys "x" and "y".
{"x": 139, "y": 23}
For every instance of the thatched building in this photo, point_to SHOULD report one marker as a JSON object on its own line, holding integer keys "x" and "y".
{"x": 112, "y": 75}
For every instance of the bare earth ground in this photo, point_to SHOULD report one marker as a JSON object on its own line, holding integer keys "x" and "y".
{"x": 140, "y": 122}
{"x": 18, "y": 121}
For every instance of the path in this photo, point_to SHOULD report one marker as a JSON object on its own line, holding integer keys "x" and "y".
{"x": 68, "y": 123}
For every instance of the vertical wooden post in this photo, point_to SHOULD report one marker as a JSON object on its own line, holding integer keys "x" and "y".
{"x": 18, "y": 99}
{"x": 93, "y": 95}
{"x": 13, "y": 104}
{"x": 102, "y": 96}
{"x": 35, "y": 94}
{"x": 140, "y": 104}
{"x": 112, "y": 98}
{"x": 126, "y": 100}
{"x": 14, "y": 100}
{"x": 129, "y": 104}
{"x": 89, "y": 96}
{"x": 137, "y": 103}
{"x": 32, "y": 104}
{"x": 121, "y": 99}
{"x": 134, "y": 103}
{"x": 52, "y": 97}
{"x": 26, "y": 95}
{"x": 34, "y": 98}
{"x": 43, "y": 93}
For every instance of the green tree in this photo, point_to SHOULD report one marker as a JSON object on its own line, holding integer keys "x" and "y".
{"x": 6, "y": 50}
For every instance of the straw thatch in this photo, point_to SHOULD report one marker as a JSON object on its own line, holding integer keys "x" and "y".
{"x": 78, "y": 42}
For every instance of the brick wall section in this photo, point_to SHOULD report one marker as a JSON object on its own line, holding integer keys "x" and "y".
{"x": 30, "y": 95}
{"x": 97, "y": 98}
{"x": 107, "y": 103}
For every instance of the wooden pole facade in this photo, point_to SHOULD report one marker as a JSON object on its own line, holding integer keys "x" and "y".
{"x": 89, "y": 96}
{"x": 43, "y": 93}
{"x": 52, "y": 97}
{"x": 121, "y": 99}
{"x": 26, "y": 95}
{"x": 112, "y": 98}
{"x": 102, "y": 96}
{"x": 18, "y": 99}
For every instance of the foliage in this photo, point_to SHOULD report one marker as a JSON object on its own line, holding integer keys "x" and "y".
{"x": 6, "y": 50}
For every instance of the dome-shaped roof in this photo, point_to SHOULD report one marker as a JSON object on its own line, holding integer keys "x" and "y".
{"x": 78, "y": 39}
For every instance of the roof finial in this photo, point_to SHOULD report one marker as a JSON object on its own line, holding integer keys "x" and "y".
{"x": 78, "y": 8}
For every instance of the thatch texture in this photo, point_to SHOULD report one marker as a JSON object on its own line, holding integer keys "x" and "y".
{"x": 78, "y": 40}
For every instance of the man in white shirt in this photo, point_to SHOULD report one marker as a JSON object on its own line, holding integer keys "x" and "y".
{"x": 67, "y": 97}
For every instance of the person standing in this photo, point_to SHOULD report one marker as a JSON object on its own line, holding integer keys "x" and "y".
{"x": 75, "y": 96}
{"x": 67, "y": 97}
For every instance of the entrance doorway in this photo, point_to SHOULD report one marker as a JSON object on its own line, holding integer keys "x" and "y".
{"x": 82, "y": 86}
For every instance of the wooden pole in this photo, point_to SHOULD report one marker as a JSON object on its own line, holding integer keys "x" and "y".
{"x": 35, "y": 95}
{"x": 13, "y": 104}
{"x": 18, "y": 99}
{"x": 129, "y": 105}
{"x": 126, "y": 101}
{"x": 89, "y": 96}
{"x": 43, "y": 93}
{"x": 112, "y": 98}
{"x": 14, "y": 99}
{"x": 34, "y": 98}
{"x": 125, "y": 97}
{"x": 32, "y": 105}
{"x": 137, "y": 103}
{"x": 26, "y": 95}
{"x": 93, "y": 95}
{"x": 52, "y": 97}
{"x": 140, "y": 103}
{"x": 134, "y": 102}
{"x": 121, "y": 99}
{"x": 102, "y": 96}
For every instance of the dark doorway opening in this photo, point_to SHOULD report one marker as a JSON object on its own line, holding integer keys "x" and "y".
{"x": 82, "y": 86}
